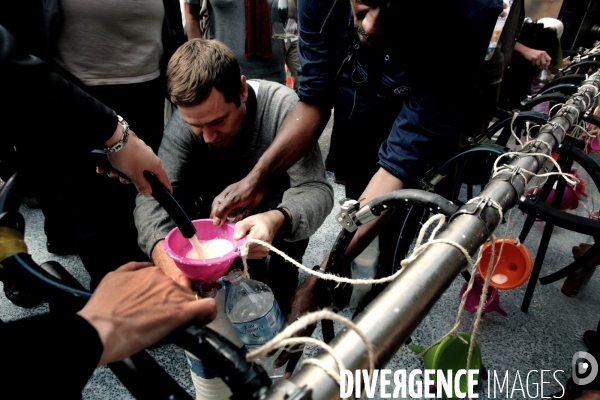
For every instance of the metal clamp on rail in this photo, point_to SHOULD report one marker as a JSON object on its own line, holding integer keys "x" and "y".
{"x": 431, "y": 179}
{"x": 346, "y": 216}
{"x": 477, "y": 209}
{"x": 569, "y": 113}
{"x": 550, "y": 128}
{"x": 509, "y": 176}
{"x": 577, "y": 101}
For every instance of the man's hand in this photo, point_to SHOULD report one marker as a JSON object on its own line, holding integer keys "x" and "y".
{"x": 241, "y": 196}
{"x": 167, "y": 265}
{"x": 302, "y": 302}
{"x": 137, "y": 305}
{"x": 134, "y": 158}
{"x": 263, "y": 226}
{"x": 298, "y": 132}
{"x": 113, "y": 173}
{"x": 537, "y": 58}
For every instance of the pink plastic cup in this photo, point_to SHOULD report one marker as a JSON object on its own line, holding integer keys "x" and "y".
{"x": 570, "y": 200}
{"x": 492, "y": 302}
{"x": 595, "y": 144}
{"x": 210, "y": 269}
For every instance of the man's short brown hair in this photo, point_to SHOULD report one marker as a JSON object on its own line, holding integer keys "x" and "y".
{"x": 198, "y": 66}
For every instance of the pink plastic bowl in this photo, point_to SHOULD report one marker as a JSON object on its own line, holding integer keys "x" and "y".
{"x": 208, "y": 270}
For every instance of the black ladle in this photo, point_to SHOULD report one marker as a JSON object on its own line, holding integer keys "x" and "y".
{"x": 160, "y": 193}
{"x": 171, "y": 206}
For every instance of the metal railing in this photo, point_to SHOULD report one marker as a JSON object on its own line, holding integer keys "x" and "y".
{"x": 390, "y": 318}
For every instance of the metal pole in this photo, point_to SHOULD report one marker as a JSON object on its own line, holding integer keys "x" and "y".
{"x": 389, "y": 320}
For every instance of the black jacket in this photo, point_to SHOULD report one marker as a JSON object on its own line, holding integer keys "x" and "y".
{"x": 47, "y": 356}
{"x": 44, "y": 114}
{"x": 49, "y": 353}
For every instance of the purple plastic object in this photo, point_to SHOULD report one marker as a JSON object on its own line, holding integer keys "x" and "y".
{"x": 208, "y": 270}
{"x": 570, "y": 201}
{"x": 493, "y": 297}
{"x": 595, "y": 144}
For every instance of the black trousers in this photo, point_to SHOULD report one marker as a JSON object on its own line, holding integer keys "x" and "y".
{"x": 92, "y": 213}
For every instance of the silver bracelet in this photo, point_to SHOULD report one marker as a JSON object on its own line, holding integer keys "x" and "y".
{"x": 119, "y": 145}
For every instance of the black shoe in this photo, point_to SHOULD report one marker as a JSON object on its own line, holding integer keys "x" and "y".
{"x": 20, "y": 296}
{"x": 589, "y": 337}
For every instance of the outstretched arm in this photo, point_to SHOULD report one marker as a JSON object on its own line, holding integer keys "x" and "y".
{"x": 303, "y": 299}
{"x": 300, "y": 130}
{"x": 162, "y": 260}
{"x": 137, "y": 305}
{"x": 537, "y": 58}
{"x": 86, "y": 123}
{"x": 133, "y": 307}
{"x": 192, "y": 20}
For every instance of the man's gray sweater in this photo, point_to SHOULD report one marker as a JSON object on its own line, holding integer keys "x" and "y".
{"x": 199, "y": 171}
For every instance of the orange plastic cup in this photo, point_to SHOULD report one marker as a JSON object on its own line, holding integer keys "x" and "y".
{"x": 514, "y": 267}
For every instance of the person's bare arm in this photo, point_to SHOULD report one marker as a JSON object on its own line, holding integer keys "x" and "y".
{"x": 381, "y": 183}
{"x": 537, "y": 58}
{"x": 192, "y": 21}
{"x": 302, "y": 299}
{"x": 137, "y": 305}
{"x": 134, "y": 158}
{"x": 162, "y": 260}
{"x": 300, "y": 130}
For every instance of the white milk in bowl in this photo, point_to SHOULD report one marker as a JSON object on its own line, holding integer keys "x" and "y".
{"x": 205, "y": 249}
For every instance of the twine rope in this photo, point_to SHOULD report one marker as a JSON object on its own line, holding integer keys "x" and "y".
{"x": 555, "y": 106}
{"x": 571, "y": 179}
{"x": 284, "y": 338}
{"x": 328, "y": 277}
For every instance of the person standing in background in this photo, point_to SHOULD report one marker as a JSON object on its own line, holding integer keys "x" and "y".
{"x": 260, "y": 55}
{"x": 116, "y": 52}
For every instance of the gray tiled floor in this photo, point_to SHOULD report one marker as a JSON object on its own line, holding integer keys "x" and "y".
{"x": 544, "y": 338}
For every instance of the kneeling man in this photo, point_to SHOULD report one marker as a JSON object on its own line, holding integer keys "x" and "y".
{"x": 222, "y": 127}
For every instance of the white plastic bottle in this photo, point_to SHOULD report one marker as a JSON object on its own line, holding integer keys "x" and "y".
{"x": 209, "y": 386}
{"x": 536, "y": 85}
{"x": 364, "y": 266}
{"x": 254, "y": 313}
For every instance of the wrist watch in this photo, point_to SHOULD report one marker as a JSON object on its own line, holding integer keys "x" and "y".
{"x": 119, "y": 145}
{"x": 286, "y": 228}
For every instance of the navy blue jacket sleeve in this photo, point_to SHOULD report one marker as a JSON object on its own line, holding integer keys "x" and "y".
{"x": 444, "y": 63}
{"x": 48, "y": 356}
{"x": 444, "y": 46}
{"x": 320, "y": 24}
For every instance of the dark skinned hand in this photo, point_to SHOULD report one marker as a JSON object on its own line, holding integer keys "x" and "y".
{"x": 242, "y": 196}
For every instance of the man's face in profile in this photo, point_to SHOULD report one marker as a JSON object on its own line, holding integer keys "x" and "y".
{"x": 373, "y": 19}
{"x": 216, "y": 120}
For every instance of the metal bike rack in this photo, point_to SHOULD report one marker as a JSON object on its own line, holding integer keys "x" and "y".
{"x": 388, "y": 320}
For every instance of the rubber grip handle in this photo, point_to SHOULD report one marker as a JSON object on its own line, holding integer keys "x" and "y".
{"x": 171, "y": 206}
